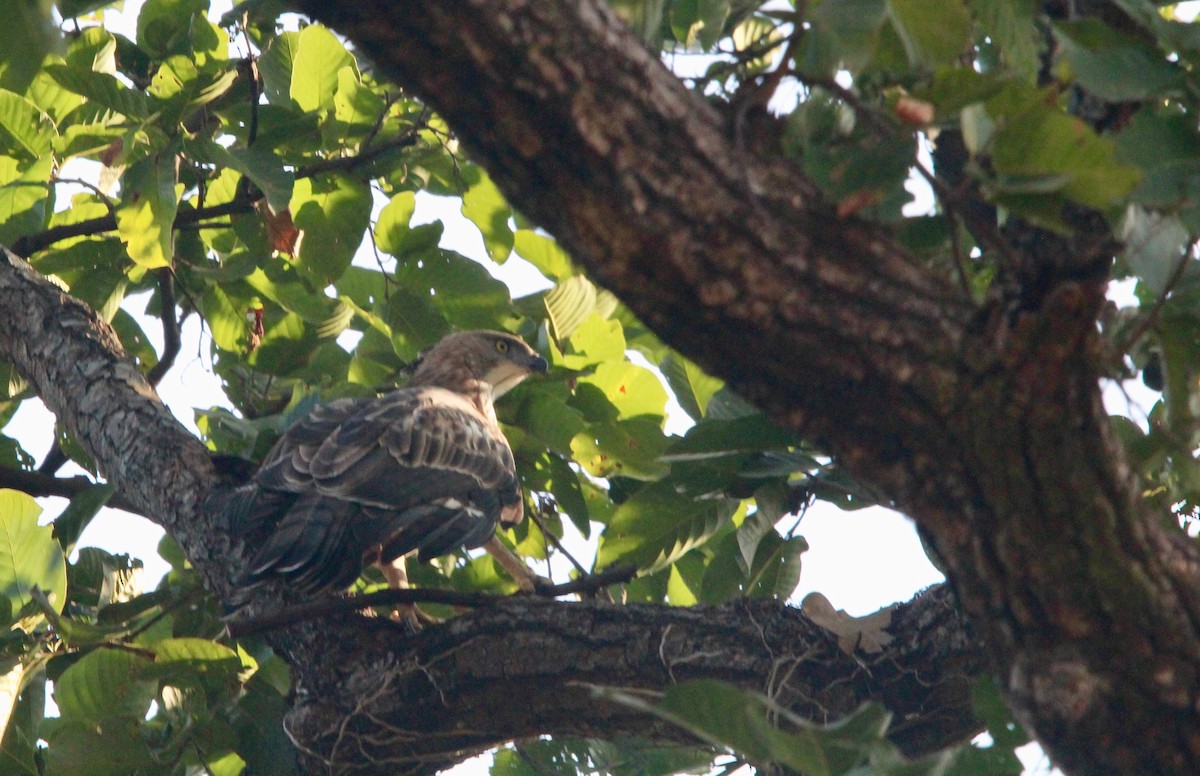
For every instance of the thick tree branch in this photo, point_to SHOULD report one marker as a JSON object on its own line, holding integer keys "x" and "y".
{"x": 519, "y": 670}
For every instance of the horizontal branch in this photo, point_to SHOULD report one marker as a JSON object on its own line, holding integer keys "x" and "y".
{"x": 515, "y": 671}
{"x": 39, "y": 485}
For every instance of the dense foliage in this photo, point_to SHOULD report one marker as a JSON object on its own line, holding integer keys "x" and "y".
{"x": 255, "y": 172}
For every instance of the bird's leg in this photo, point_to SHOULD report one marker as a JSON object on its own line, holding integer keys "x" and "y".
{"x": 396, "y": 574}
{"x": 526, "y": 579}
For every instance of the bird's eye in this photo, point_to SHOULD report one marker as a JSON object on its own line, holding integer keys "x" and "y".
{"x": 502, "y": 346}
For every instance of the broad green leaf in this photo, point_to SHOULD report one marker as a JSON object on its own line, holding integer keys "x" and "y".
{"x": 332, "y": 211}
{"x": 102, "y": 89}
{"x": 1113, "y": 66}
{"x": 213, "y": 665}
{"x": 24, "y": 202}
{"x": 844, "y": 33}
{"x": 691, "y": 386}
{"x": 164, "y": 27}
{"x": 933, "y": 31}
{"x": 25, "y": 130}
{"x": 356, "y": 109}
{"x": 678, "y": 591}
{"x": 78, "y": 748}
{"x": 1155, "y": 244}
{"x": 657, "y": 526}
{"x": 318, "y": 58}
{"x": 146, "y": 215}
{"x": 226, "y": 322}
{"x": 29, "y": 556}
{"x": 755, "y": 727}
{"x": 484, "y": 206}
{"x": 549, "y": 419}
{"x": 716, "y": 438}
{"x": 1035, "y": 141}
{"x": 629, "y": 448}
{"x": 698, "y": 23}
{"x": 276, "y": 65}
{"x": 182, "y": 87}
{"x": 954, "y": 88}
{"x": 595, "y": 341}
{"x": 391, "y": 228}
{"x": 1012, "y": 27}
{"x": 24, "y": 718}
{"x": 463, "y": 290}
{"x": 544, "y": 253}
{"x": 27, "y": 36}
{"x": 632, "y": 389}
{"x": 1165, "y": 146}
{"x": 106, "y": 684}
{"x": 569, "y": 304}
{"x": 79, "y": 513}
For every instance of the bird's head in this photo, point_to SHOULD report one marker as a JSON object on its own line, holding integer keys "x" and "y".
{"x": 496, "y": 358}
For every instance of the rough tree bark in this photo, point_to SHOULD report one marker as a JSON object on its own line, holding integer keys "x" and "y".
{"x": 982, "y": 422}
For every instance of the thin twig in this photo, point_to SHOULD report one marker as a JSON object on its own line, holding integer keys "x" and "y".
{"x": 290, "y": 615}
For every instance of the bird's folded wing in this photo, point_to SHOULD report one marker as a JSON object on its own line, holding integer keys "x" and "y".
{"x": 413, "y": 448}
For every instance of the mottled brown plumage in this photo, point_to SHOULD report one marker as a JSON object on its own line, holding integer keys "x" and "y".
{"x": 424, "y": 468}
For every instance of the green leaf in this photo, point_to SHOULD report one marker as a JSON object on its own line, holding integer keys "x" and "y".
{"x": 691, "y": 386}
{"x": 391, "y": 228}
{"x": 484, "y": 206}
{"x": 1165, "y": 146}
{"x": 1013, "y": 28}
{"x": 595, "y": 341}
{"x": 146, "y": 215}
{"x": 319, "y": 56}
{"x": 24, "y": 202}
{"x": 27, "y": 35}
{"x": 698, "y": 23}
{"x": 844, "y": 34}
{"x": 544, "y": 253}
{"x": 656, "y": 526}
{"x": 103, "y": 89}
{"x": 29, "y": 556}
{"x": 80, "y": 749}
{"x": 27, "y": 131}
{"x": 106, "y": 684}
{"x": 633, "y": 390}
{"x": 933, "y": 31}
{"x": 462, "y": 290}
{"x": 79, "y": 513}
{"x": 569, "y": 304}
{"x": 164, "y": 27}
{"x": 1114, "y": 66}
{"x": 226, "y": 322}
{"x": 1035, "y": 141}
{"x": 276, "y": 65}
{"x": 721, "y": 438}
{"x": 1155, "y": 244}
{"x": 333, "y": 212}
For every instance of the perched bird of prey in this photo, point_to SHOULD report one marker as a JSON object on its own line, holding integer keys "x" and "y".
{"x": 425, "y": 468}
